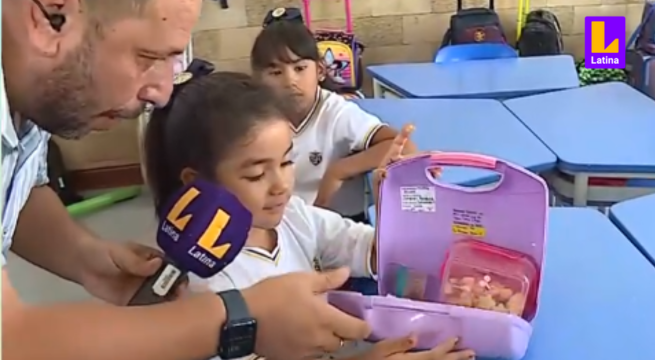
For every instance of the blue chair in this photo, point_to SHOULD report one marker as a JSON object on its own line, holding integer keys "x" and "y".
{"x": 467, "y": 52}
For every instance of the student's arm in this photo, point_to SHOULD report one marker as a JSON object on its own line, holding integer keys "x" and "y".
{"x": 341, "y": 241}
{"x": 186, "y": 329}
{"x": 60, "y": 248}
{"x": 368, "y": 138}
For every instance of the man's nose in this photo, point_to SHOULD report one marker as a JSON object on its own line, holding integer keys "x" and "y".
{"x": 158, "y": 86}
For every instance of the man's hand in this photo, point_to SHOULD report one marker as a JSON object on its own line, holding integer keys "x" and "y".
{"x": 114, "y": 271}
{"x": 294, "y": 321}
{"x": 330, "y": 183}
{"x": 398, "y": 349}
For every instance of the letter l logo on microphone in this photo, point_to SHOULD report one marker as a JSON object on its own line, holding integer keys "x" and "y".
{"x": 212, "y": 232}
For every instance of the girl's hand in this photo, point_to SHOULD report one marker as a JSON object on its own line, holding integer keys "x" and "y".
{"x": 396, "y": 152}
{"x": 398, "y": 349}
{"x": 330, "y": 184}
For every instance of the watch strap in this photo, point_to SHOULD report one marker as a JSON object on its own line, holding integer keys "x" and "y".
{"x": 235, "y": 305}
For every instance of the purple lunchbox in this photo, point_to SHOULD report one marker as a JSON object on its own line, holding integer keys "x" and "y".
{"x": 419, "y": 219}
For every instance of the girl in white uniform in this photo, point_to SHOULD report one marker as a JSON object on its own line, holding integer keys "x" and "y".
{"x": 226, "y": 128}
{"x": 336, "y": 142}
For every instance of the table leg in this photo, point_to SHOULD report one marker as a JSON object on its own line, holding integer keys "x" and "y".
{"x": 580, "y": 189}
{"x": 377, "y": 89}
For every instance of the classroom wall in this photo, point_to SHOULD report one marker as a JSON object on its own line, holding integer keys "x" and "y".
{"x": 392, "y": 30}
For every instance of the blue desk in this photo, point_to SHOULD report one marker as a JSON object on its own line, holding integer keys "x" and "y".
{"x": 597, "y": 293}
{"x": 481, "y": 79}
{"x": 476, "y": 125}
{"x": 634, "y": 218}
{"x": 605, "y": 130}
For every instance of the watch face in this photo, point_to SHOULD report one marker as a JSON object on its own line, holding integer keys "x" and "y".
{"x": 238, "y": 339}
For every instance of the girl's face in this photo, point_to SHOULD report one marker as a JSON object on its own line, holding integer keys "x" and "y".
{"x": 259, "y": 171}
{"x": 297, "y": 79}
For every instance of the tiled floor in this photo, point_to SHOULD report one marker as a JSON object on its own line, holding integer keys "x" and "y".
{"x": 131, "y": 220}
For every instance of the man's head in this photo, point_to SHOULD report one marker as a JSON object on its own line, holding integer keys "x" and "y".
{"x": 109, "y": 60}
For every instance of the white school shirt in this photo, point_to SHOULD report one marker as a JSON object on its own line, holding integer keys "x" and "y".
{"x": 307, "y": 236}
{"x": 24, "y": 166}
{"x": 333, "y": 130}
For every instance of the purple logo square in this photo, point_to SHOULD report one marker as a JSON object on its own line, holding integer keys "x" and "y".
{"x": 604, "y": 46}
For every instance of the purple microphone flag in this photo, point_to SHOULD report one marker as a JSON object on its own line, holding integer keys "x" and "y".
{"x": 203, "y": 228}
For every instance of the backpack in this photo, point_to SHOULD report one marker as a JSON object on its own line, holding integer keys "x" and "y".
{"x": 340, "y": 50}
{"x": 59, "y": 175}
{"x": 644, "y": 35}
{"x": 541, "y": 35}
{"x": 474, "y": 25}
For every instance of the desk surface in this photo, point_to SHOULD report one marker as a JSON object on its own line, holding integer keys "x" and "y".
{"x": 634, "y": 218}
{"x": 600, "y": 128}
{"x": 597, "y": 290}
{"x": 475, "y": 125}
{"x": 489, "y": 79}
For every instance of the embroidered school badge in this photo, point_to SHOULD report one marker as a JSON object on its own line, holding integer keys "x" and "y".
{"x": 479, "y": 35}
{"x": 182, "y": 77}
{"x": 315, "y": 158}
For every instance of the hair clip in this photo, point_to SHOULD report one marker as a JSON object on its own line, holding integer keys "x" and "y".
{"x": 279, "y": 12}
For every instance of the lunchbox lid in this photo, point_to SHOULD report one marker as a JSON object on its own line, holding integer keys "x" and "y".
{"x": 420, "y": 218}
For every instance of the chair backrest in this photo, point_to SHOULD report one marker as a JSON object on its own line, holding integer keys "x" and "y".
{"x": 482, "y": 51}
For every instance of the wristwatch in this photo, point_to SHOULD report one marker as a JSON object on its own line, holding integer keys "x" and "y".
{"x": 238, "y": 336}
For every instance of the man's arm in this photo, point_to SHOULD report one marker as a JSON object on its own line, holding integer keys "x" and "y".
{"x": 48, "y": 237}
{"x": 185, "y": 329}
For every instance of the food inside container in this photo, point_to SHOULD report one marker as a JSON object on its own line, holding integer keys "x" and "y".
{"x": 484, "y": 276}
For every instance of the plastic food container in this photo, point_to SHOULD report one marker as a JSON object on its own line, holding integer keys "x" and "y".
{"x": 483, "y": 276}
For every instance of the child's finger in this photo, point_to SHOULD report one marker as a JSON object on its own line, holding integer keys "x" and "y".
{"x": 459, "y": 355}
{"x": 386, "y": 348}
{"x": 436, "y": 172}
{"x": 443, "y": 349}
{"x": 378, "y": 176}
{"x": 398, "y": 145}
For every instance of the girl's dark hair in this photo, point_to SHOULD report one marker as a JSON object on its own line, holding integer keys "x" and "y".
{"x": 204, "y": 119}
{"x": 274, "y": 42}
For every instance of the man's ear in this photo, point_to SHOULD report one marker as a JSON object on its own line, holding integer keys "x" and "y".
{"x": 41, "y": 35}
{"x": 45, "y": 37}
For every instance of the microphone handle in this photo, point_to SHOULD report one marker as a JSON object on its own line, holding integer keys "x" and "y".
{"x": 157, "y": 287}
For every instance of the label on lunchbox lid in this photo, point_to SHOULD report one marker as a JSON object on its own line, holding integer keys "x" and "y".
{"x": 418, "y": 198}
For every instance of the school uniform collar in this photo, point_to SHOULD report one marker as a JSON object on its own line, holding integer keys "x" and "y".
{"x": 9, "y": 134}
{"x": 311, "y": 114}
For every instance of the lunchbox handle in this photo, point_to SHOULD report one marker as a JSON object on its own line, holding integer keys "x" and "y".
{"x": 465, "y": 159}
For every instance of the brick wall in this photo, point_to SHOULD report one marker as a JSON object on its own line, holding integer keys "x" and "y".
{"x": 393, "y": 30}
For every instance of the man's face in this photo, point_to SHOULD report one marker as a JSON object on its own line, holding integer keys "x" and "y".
{"x": 101, "y": 77}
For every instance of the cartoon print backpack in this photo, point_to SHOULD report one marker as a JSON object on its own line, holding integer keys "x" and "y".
{"x": 456, "y": 261}
{"x": 340, "y": 49}
{"x": 474, "y": 25}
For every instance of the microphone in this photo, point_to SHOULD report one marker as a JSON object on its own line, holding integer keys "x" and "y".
{"x": 202, "y": 229}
